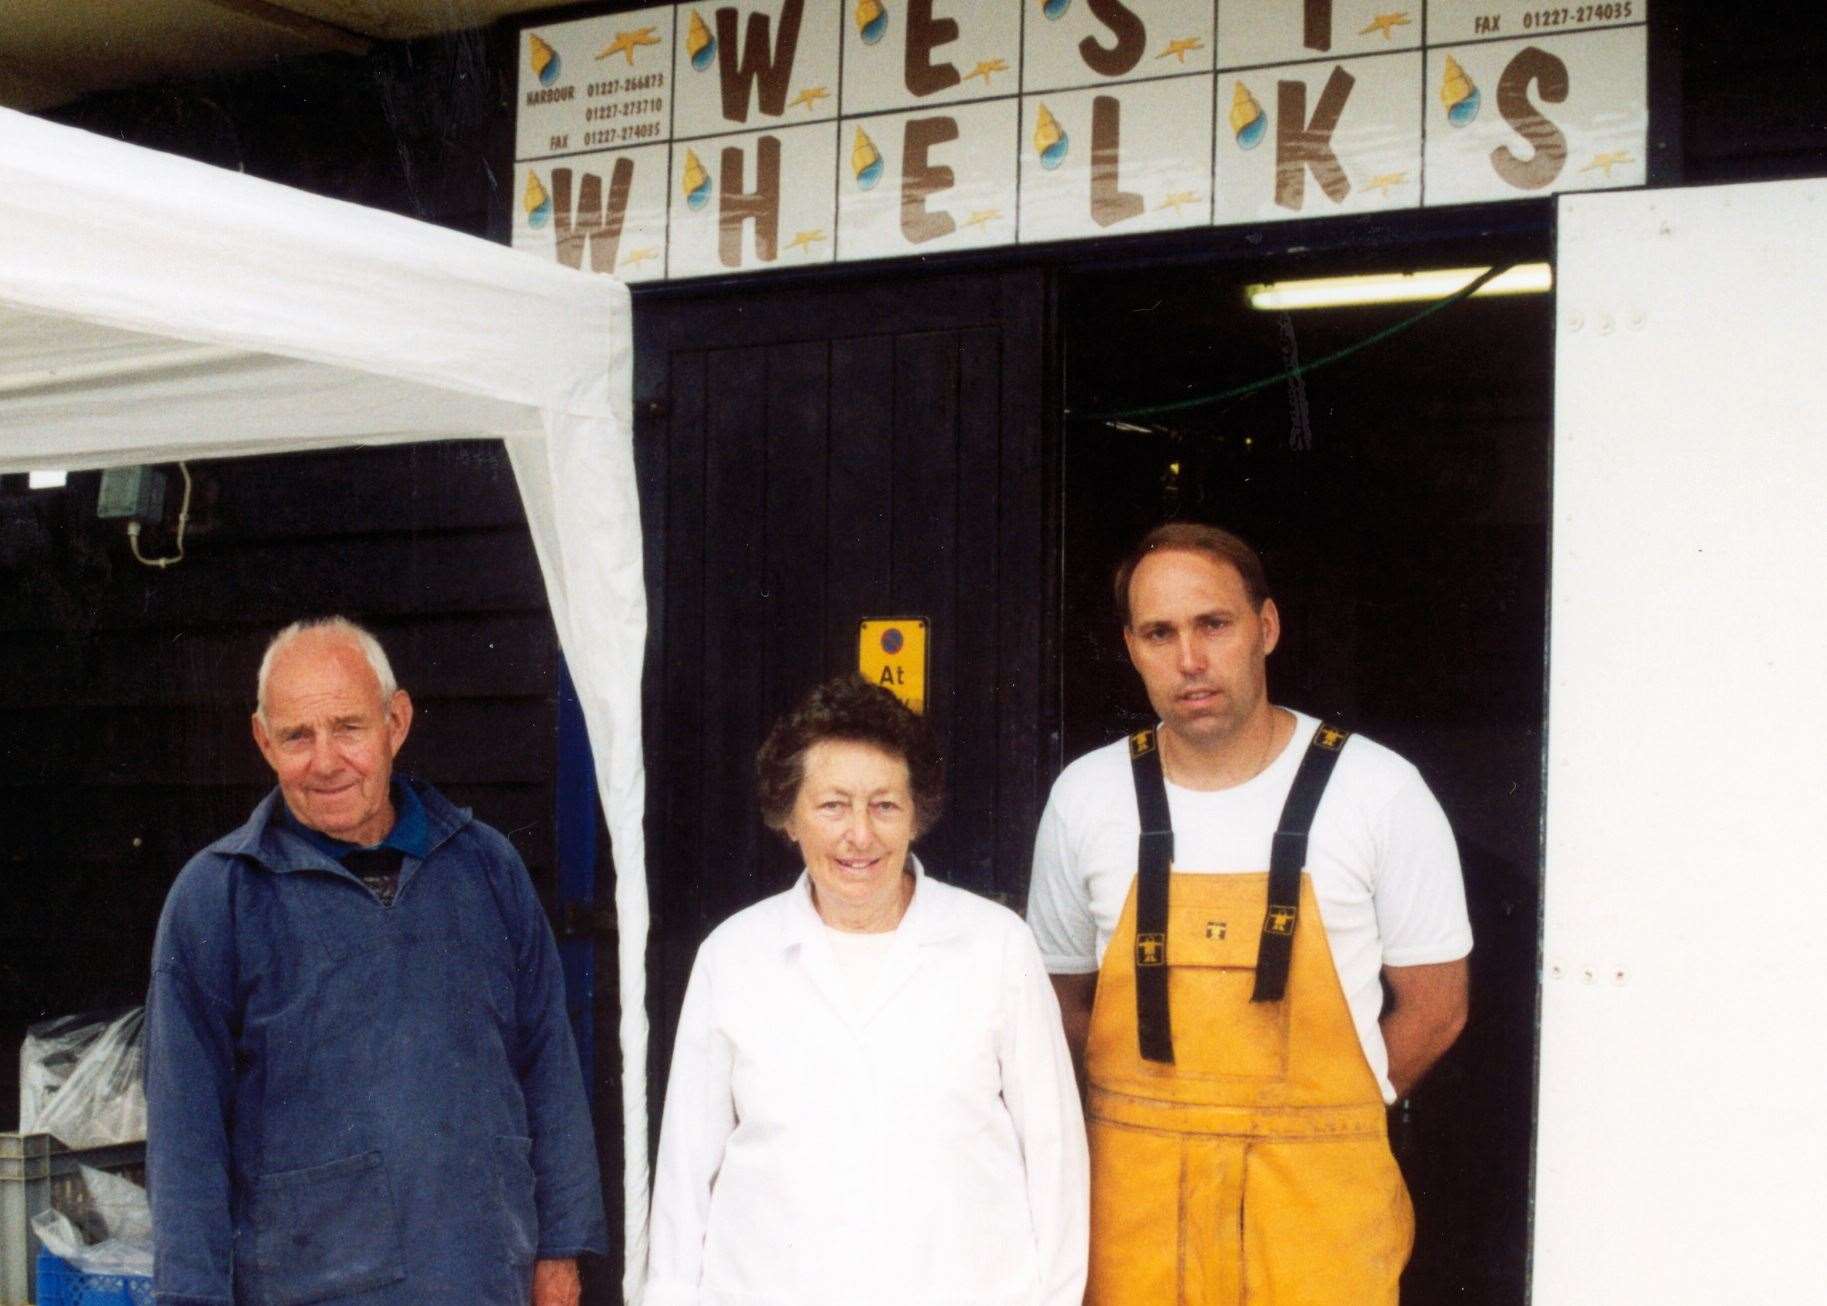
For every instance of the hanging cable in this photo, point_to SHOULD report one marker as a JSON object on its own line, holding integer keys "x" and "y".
{"x": 1471, "y": 288}
{"x": 133, "y": 530}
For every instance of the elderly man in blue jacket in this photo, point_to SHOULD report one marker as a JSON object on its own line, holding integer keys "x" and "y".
{"x": 361, "y": 1082}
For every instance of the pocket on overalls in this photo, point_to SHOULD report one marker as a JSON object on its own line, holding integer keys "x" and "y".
{"x": 325, "y": 1231}
{"x": 1218, "y": 1032}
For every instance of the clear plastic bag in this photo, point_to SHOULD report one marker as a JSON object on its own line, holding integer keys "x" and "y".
{"x": 50, "y": 1052}
{"x": 81, "y": 1080}
{"x": 112, "y": 1236}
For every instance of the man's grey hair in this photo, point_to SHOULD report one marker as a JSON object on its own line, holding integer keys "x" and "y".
{"x": 362, "y": 639}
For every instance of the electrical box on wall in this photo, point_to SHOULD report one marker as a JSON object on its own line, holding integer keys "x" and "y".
{"x": 133, "y": 493}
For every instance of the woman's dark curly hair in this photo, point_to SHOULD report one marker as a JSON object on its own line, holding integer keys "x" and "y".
{"x": 849, "y": 708}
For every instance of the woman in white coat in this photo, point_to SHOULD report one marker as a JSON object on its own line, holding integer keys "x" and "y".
{"x": 871, "y": 1102}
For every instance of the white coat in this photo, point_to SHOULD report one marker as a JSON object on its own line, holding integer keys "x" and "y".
{"x": 924, "y": 1146}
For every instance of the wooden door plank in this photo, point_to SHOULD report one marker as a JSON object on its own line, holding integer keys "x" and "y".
{"x": 732, "y": 683}
{"x": 923, "y": 532}
{"x": 678, "y": 512}
{"x": 977, "y": 662}
{"x": 860, "y": 481}
{"x": 798, "y": 421}
{"x": 1027, "y": 598}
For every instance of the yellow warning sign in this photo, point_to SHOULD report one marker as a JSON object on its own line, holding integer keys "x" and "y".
{"x": 891, "y": 652}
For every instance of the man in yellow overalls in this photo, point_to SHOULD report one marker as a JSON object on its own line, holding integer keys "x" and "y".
{"x": 1220, "y": 900}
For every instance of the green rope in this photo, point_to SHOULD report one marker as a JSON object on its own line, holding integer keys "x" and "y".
{"x": 1237, "y": 392}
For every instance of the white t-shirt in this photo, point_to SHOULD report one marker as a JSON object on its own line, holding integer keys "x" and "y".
{"x": 1384, "y": 866}
{"x": 860, "y": 958}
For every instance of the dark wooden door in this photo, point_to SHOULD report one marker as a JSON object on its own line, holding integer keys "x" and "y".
{"x": 810, "y": 457}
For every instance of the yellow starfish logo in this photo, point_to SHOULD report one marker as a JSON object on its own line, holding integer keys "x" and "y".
{"x": 1181, "y": 47}
{"x": 1386, "y": 182}
{"x": 626, "y": 42}
{"x": 809, "y": 97}
{"x": 1386, "y": 24}
{"x": 805, "y": 239}
{"x": 982, "y": 217}
{"x": 1177, "y": 199}
{"x": 636, "y": 257}
{"x": 1608, "y": 160}
{"x": 985, "y": 67}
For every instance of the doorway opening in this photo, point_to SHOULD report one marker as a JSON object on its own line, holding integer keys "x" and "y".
{"x": 1399, "y": 497}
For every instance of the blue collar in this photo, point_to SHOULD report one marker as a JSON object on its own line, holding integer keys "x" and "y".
{"x": 411, "y": 833}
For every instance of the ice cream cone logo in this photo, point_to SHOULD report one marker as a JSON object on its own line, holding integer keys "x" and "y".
{"x": 697, "y": 182}
{"x": 1050, "y": 139}
{"x": 544, "y": 59}
{"x": 1249, "y": 124}
{"x": 871, "y": 20}
{"x": 700, "y": 45}
{"x": 536, "y": 202}
{"x": 865, "y": 160}
{"x": 1458, "y": 95}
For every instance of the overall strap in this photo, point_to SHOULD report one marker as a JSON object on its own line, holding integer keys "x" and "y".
{"x": 1287, "y": 857}
{"x": 1154, "y": 856}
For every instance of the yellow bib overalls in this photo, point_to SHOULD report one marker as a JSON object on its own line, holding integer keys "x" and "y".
{"x": 1251, "y": 1168}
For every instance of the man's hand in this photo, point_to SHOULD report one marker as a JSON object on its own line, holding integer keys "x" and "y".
{"x": 555, "y": 1283}
{"x": 1429, "y": 1011}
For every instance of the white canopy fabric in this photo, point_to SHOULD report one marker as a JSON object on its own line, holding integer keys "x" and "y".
{"x": 155, "y": 309}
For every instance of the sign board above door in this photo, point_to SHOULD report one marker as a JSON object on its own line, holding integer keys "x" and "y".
{"x": 697, "y": 139}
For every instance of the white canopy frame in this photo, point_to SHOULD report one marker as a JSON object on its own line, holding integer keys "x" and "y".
{"x": 154, "y": 309}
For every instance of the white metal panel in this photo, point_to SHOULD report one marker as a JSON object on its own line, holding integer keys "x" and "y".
{"x": 1681, "y": 1144}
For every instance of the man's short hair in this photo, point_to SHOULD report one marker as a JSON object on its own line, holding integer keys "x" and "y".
{"x": 1193, "y": 537}
{"x": 363, "y": 639}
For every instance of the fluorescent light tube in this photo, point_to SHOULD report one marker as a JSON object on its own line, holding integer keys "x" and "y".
{"x": 1396, "y": 287}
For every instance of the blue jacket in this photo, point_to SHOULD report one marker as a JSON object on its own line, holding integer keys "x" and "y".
{"x": 378, "y": 1106}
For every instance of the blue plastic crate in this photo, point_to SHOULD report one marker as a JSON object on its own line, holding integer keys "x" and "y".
{"x": 59, "y": 1284}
